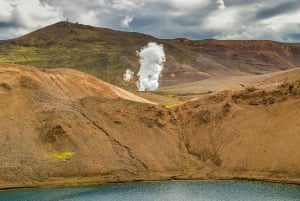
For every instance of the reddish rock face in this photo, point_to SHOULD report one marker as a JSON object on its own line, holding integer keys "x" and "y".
{"x": 63, "y": 127}
{"x": 107, "y": 53}
{"x": 253, "y": 56}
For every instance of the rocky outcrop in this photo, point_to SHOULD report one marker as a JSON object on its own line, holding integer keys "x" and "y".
{"x": 62, "y": 127}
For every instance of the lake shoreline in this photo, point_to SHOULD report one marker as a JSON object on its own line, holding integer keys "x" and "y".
{"x": 45, "y": 185}
{"x": 174, "y": 190}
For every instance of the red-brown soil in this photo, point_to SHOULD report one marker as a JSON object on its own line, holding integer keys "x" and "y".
{"x": 63, "y": 127}
{"x": 107, "y": 53}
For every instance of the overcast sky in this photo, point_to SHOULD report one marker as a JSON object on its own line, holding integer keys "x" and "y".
{"x": 195, "y": 19}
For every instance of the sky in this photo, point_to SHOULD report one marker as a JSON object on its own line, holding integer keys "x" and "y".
{"x": 194, "y": 19}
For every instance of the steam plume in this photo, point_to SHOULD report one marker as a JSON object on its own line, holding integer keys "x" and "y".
{"x": 152, "y": 58}
{"x": 128, "y": 75}
{"x": 125, "y": 23}
{"x": 221, "y": 4}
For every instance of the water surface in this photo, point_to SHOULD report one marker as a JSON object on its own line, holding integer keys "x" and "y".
{"x": 163, "y": 191}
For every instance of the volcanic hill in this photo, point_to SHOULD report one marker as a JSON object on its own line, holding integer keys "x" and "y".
{"x": 64, "y": 127}
{"x": 107, "y": 53}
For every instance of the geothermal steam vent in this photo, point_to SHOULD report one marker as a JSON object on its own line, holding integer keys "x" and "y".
{"x": 152, "y": 58}
{"x": 128, "y": 75}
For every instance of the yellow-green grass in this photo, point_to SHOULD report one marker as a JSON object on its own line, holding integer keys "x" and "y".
{"x": 169, "y": 106}
{"x": 174, "y": 96}
{"x": 95, "y": 51}
{"x": 63, "y": 155}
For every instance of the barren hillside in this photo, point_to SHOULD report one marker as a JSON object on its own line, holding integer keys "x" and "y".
{"x": 63, "y": 127}
{"x": 249, "y": 56}
{"x": 107, "y": 53}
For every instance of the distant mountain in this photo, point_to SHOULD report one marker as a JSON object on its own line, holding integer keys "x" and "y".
{"x": 249, "y": 56}
{"x": 106, "y": 54}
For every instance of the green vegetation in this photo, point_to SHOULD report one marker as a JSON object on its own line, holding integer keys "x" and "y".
{"x": 130, "y": 83}
{"x": 63, "y": 155}
{"x": 169, "y": 106}
{"x": 103, "y": 53}
{"x": 174, "y": 96}
{"x": 190, "y": 163}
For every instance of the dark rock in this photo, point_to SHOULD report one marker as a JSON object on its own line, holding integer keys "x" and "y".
{"x": 6, "y": 86}
{"x": 117, "y": 122}
{"x": 29, "y": 82}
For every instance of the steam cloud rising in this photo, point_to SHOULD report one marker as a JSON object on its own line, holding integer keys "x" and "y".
{"x": 152, "y": 59}
{"x": 128, "y": 75}
{"x": 221, "y": 4}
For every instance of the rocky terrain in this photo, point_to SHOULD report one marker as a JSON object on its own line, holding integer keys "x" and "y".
{"x": 64, "y": 127}
{"x": 107, "y": 53}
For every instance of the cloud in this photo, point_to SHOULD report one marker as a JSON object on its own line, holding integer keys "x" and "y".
{"x": 19, "y": 17}
{"x": 221, "y": 20}
{"x": 286, "y": 7}
{"x": 125, "y": 22}
{"x": 89, "y": 17}
{"x": 123, "y": 5}
{"x": 13, "y": 20}
{"x": 221, "y": 4}
{"x": 230, "y": 19}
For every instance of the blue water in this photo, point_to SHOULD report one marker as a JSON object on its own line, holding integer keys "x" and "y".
{"x": 163, "y": 191}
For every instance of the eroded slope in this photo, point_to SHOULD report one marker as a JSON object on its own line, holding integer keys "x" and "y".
{"x": 62, "y": 127}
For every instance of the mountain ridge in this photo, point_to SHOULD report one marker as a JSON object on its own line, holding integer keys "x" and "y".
{"x": 107, "y": 53}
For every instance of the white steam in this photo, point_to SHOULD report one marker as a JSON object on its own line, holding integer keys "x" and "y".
{"x": 125, "y": 23}
{"x": 221, "y": 4}
{"x": 152, "y": 58}
{"x": 128, "y": 75}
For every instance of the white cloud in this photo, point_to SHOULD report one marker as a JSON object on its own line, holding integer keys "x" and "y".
{"x": 221, "y": 4}
{"x": 36, "y": 14}
{"x": 242, "y": 23}
{"x": 89, "y": 17}
{"x": 221, "y": 20}
{"x": 237, "y": 19}
{"x": 184, "y": 4}
{"x": 280, "y": 21}
{"x": 125, "y": 5}
{"x": 20, "y": 17}
{"x": 6, "y": 9}
{"x": 125, "y": 22}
